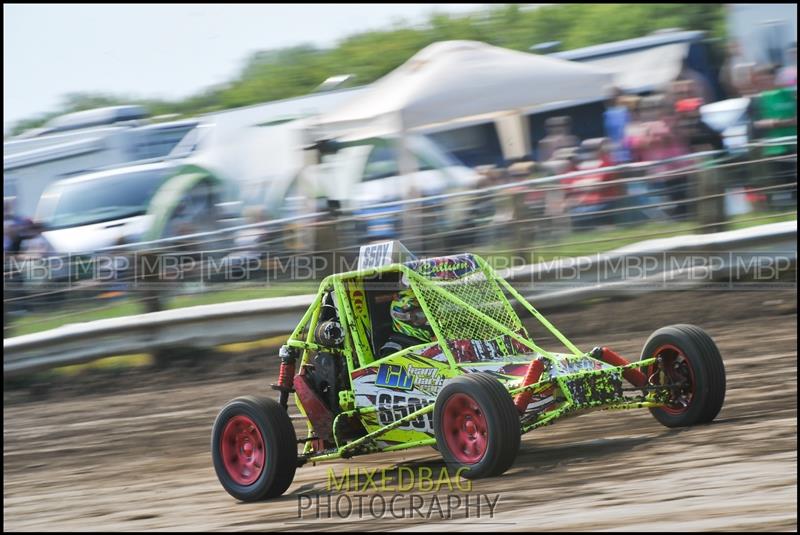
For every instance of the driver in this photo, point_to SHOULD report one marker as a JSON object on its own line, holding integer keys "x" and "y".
{"x": 410, "y": 327}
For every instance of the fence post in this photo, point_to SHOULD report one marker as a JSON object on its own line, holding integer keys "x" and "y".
{"x": 326, "y": 240}
{"x": 711, "y": 205}
{"x": 523, "y": 233}
{"x": 148, "y": 274}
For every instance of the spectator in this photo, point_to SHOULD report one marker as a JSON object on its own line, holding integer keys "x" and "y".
{"x": 634, "y": 130}
{"x": 558, "y": 136}
{"x": 695, "y": 133}
{"x": 586, "y": 198}
{"x": 774, "y": 111}
{"x": 682, "y": 94}
{"x": 736, "y": 73}
{"x": 656, "y": 141}
{"x": 787, "y": 75}
{"x": 774, "y": 115}
{"x": 680, "y": 90}
{"x": 15, "y": 228}
{"x": 32, "y": 242}
{"x": 616, "y": 118}
{"x": 698, "y": 84}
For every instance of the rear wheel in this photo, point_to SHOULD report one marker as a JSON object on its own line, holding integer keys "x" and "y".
{"x": 476, "y": 425}
{"x": 254, "y": 448}
{"x": 691, "y": 366}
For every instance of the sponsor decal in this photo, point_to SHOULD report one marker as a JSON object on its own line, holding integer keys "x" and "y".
{"x": 394, "y": 376}
{"x": 357, "y": 297}
{"x": 362, "y": 321}
{"x": 451, "y": 267}
{"x": 426, "y": 380}
{"x": 571, "y": 365}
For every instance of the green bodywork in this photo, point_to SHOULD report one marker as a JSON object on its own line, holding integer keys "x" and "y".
{"x": 479, "y": 305}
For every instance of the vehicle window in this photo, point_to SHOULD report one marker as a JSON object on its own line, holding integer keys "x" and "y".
{"x": 154, "y": 143}
{"x": 438, "y": 152}
{"x": 424, "y": 163}
{"x": 382, "y": 163}
{"x": 103, "y": 199}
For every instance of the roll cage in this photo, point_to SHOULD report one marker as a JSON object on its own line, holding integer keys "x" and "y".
{"x": 463, "y": 299}
{"x": 470, "y": 304}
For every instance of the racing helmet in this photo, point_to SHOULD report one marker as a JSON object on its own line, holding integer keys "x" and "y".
{"x": 408, "y": 317}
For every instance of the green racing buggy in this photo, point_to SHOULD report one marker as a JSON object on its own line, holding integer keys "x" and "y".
{"x": 470, "y": 391}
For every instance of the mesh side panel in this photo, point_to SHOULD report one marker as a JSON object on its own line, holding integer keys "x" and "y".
{"x": 458, "y": 322}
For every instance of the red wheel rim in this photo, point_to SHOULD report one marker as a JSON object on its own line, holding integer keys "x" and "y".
{"x": 675, "y": 370}
{"x": 465, "y": 429}
{"x": 243, "y": 451}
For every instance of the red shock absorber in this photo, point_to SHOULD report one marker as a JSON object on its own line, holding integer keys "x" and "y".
{"x": 286, "y": 375}
{"x": 535, "y": 370}
{"x": 285, "y": 383}
{"x": 633, "y": 375}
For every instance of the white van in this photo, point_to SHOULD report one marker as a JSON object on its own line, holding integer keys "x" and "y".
{"x": 125, "y": 205}
{"x": 366, "y": 173}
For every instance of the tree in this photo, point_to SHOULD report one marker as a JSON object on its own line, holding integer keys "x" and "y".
{"x": 297, "y": 70}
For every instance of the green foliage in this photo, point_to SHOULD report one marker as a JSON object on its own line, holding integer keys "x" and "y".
{"x": 288, "y": 72}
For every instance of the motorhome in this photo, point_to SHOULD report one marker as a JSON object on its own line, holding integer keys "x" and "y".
{"x": 255, "y": 157}
{"x": 83, "y": 142}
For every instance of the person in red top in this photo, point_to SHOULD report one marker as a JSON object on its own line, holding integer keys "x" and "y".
{"x": 585, "y": 198}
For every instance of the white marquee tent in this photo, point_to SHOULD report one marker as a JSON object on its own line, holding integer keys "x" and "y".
{"x": 451, "y": 83}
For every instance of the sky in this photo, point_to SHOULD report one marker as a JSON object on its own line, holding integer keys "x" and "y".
{"x": 163, "y": 51}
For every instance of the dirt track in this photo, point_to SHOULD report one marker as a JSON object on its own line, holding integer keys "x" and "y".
{"x": 141, "y": 460}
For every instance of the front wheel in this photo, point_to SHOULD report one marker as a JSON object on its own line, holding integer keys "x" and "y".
{"x": 476, "y": 425}
{"x": 254, "y": 448}
{"x": 690, "y": 368}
